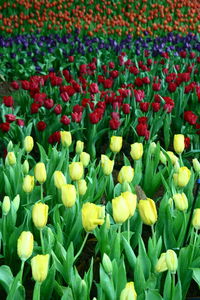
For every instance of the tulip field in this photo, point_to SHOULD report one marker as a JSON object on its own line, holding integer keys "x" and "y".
{"x": 99, "y": 150}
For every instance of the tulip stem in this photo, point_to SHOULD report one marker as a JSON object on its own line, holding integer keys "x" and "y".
{"x": 4, "y": 234}
{"x": 22, "y": 269}
{"x": 181, "y": 161}
{"x": 42, "y": 241}
{"x": 41, "y": 190}
{"x": 82, "y": 246}
{"x": 128, "y": 229}
{"x": 153, "y": 235}
{"x": 36, "y": 292}
{"x": 195, "y": 240}
{"x": 173, "y": 285}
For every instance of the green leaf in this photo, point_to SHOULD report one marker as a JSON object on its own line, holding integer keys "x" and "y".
{"x": 196, "y": 275}
{"x": 153, "y": 295}
{"x": 47, "y": 286}
{"x": 17, "y": 291}
{"x": 68, "y": 294}
{"x": 6, "y": 277}
{"x": 167, "y": 287}
{"x": 107, "y": 285}
{"x": 130, "y": 255}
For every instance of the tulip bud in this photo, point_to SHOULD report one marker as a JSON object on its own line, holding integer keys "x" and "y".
{"x": 128, "y": 293}
{"x": 83, "y": 288}
{"x": 196, "y": 165}
{"x": 176, "y": 166}
{"x": 68, "y": 195}
{"x": 107, "y": 221}
{"x": 76, "y": 170}
{"x": 82, "y": 187}
{"x": 28, "y": 144}
{"x": 85, "y": 158}
{"x": 40, "y": 172}
{"x": 181, "y": 201}
{"x": 126, "y": 174}
{"x": 179, "y": 143}
{"x": 171, "y": 261}
{"x": 92, "y": 216}
{"x": 40, "y": 215}
{"x": 39, "y": 266}
{"x": 161, "y": 265}
{"x": 107, "y": 264}
{"x": 28, "y": 184}
{"x": 25, "y": 245}
{"x": 115, "y": 143}
{"x": 10, "y": 159}
{"x": 120, "y": 209}
{"x": 148, "y": 211}
{"x": 163, "y": 158}
{"x": 152, "y": 148}
{"x": 79, "y": 147}
{"x": 107, "y": 165}
{"x": 196, "y": 219}
{"x": 16, "y": 202}
{"x": 59, "y": 179}
{"x": 131, "y": 202}
{"x": 6, "y": 205}
{"x": 182, "y": 177}
{"x": 66, "y": 138}
{"x": 10, "y": 146}
{"x": 25, "y": 167}
{"x": 172, "y": 157}
{"x": 136, "y": 151}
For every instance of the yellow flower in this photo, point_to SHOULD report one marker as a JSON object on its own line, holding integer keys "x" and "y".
{"x": 85, "y": 158}
{"x": 92, "y": 216}
{"x": 107, "y": 164}
{"x": 76, "y": 170}
{"x": 11, "y": 158}
{"x": 171, "y": 261}
{"x": 68, "y": 195}
{"x": 120, "y": 209}
{"x": 25, "y": 167}
{"x": 66, "y": 138}
{"x": 161, "y": 265}
{"x": 82, "y": 187}
{"x": 28, "y": 144}
{"x": 40, "y": 266}
{"x": 136, "y": 151}
{"x": 59, "y": 179}
{"x": 196, "y": 219}
{"x": 6, "y": 205}
{"x": 181, "y": 201}
{"x": 179, "y": 143}
{"x": 163, "y": 158}
{"x": 182, "y": 178}
{"x": 128, "y": 293}
{"x": 40, "y": 172}
{"x": 40, "y": 215}
{"x": 25, "y": 245}
{"x": 79, "y": 147}
{"x": 131, "y": 202}
{"x": 28, "y": 184}
{"x": 115, "y": 143}
{"x": 196, "y": 165}
{"x": 148, "y": 211}
{"x": 126, "y": 174}
{"x": 172, "y": 157}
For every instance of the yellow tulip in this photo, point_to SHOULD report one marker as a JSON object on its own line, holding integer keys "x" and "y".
{"x": 161, "y": 265}
{"x": 40, "y": 266}
{"x": 136, "y": 151}
{"x": 92, "y": 216}
{"x": 107, "y": 164}
{"x": 172, "y": 157}
{"x": 179, "y": 143}
{"x": 66, "y": 138}
{"x": 171, "y": 261}
{"x": 79, "y": 147}
{"x": 82, "y": 187}
{"x": 28, "y": 184}
{"x": 68, "y": 195}
{"x": 85, "y": 158}
{"x": 6, "y": 205}
{"x": 182, "y": 178}
{"x": 116, "y": 143}
{"x": 76, "y": 170}
{"x": 28, "y": 144}
{"x": 131, "y": 202}
{"x": 25, "y": 245}
{"x": 25, "y": 167}
{"x": 40, "y": 215}
{"x": 163, "y": 158}
{"x": 120, "y": 209}
{"x": 148, "y": 211}
{"x": 196, "y": 219}
{"x": 11, "y": 158}
{"x": 59, "y": 179}
{"x": 126, "y": 174}
{"x": 181, "y": 201}
{"x": 128, "y": 293}
{"x": 40, "y": 172}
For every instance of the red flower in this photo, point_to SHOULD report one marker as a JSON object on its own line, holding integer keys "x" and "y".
{"x": 138, "y": 81}
{"x": 35, "y": 107}
{"x": 144, "y": 106}
{"x": 25, "y": 84}
{"x": 126, "y": 108}
{"x": 69, "y": 89}
{"x": 94, "y": 117}
{"x": 56, "y": 81}
{"x": 54, "y": 138}
{"x": 94, "y": 89}
{"x": 71, "y": 58}
{"x": 20, "y": 122}
{"x": 8, "y": 101}
{"x": 65, "y": 96}
{"x": 15, "y": 85}
{"x": 141, "y": 129}
{"x": 115, "y": 115}
{"x": 134, "y": 70}
{"x": 114, "y": 124}
{"x": 58, "y": 109}
{"x": 139, "y": 95}
{"x": 156, "y": 86}
{"x": 172, "y": 87}
{"x": 146, "y": 80}
{"x": 192, "y": 55}
{"x": 155, "y": 106}
{"x": 187, "y": 142}
{"x": 78, "y": 108}
{"x": 111, "y": 65}
{"x": 5, "y": 127}
{"x": 41, "y": 126}
{"x": 142, "y": 120}
{"x": 77, "y": 117}
{"x": 157, "y": 98}
{"x": 10, "y": 118}
{"x": 83, "y": 69}
{"x": 48, "y": 103}
{"x": 183, "y": 54}
{"x": 114, "y": 74}
{"x": 149, "y": 62}
{"x": 65, "y": 120}
{"x": 190, "y": 117}
{"x": 67, "y": 75}
{"x": 108, "y": 83}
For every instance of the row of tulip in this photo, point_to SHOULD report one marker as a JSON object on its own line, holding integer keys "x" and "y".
{"x": 51, "y": 208}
